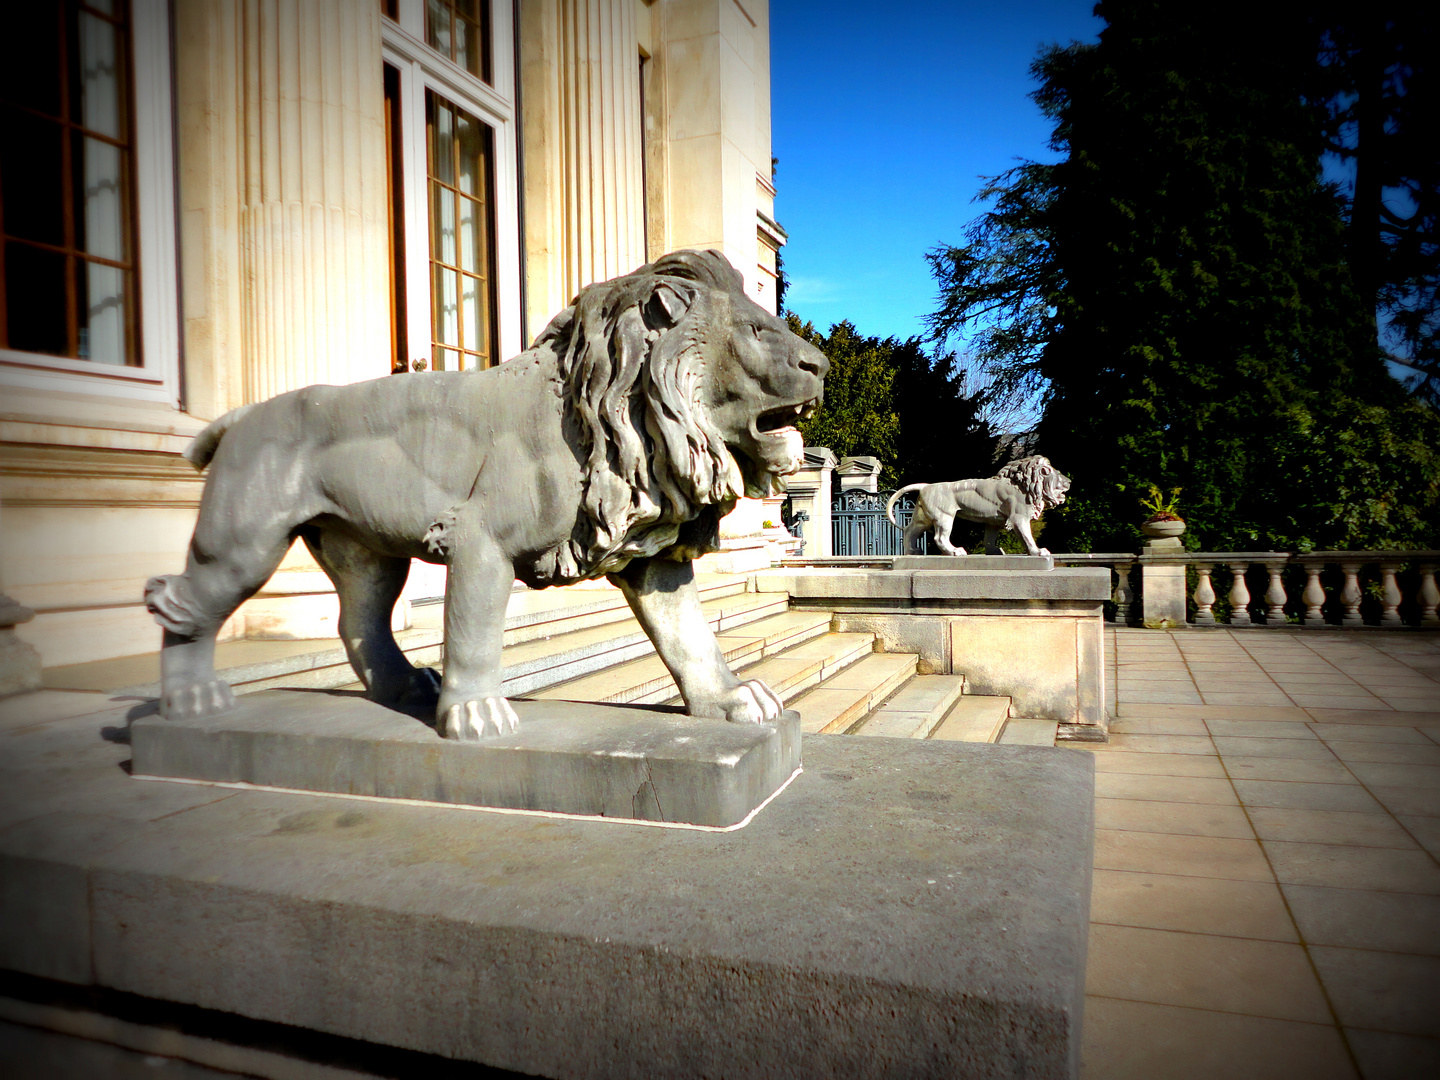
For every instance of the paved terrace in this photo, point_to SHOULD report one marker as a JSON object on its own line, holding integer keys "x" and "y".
{"x": 1267, "y": 890}
{"x": 1267, "y": 895}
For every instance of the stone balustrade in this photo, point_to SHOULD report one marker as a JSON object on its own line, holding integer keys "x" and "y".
{"x": 1267, "y": 605}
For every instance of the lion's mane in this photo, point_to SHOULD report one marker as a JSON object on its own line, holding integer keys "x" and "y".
{"x": 658, "y": 476}
{"x": 1027, "y": 475}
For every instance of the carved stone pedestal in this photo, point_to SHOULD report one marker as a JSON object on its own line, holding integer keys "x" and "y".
{"x": 1162, "y": 589}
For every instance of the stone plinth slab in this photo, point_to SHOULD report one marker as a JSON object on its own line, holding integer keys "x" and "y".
{"x": 904, "y": 908}
{"x": 982, "y": 563}
{"x": 567, "y": 757}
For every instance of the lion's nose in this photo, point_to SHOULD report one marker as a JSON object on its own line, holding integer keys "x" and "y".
{"x": 814, "y": 361}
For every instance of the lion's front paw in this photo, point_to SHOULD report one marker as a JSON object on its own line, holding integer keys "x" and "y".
{"x": 1042, "y": 551}
{"x": 752, "y": 702}
{"x": 197, "y": 701}
{"x": 481, "y": 719}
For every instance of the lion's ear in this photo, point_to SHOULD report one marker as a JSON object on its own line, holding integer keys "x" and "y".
{"x": 666, "y": 305}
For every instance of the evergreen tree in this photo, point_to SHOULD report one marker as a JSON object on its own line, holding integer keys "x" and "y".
{"x": 1176, "y": 293}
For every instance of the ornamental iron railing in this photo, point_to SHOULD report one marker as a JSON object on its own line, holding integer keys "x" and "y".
{"x": 858, "y": 525}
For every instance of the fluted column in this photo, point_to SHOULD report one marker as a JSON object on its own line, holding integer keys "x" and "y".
{"x": 312, "y": 214}
{"x": 584, "y": 169}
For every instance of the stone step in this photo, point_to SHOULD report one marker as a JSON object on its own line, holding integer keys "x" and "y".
{"x": 914, "y": 710}
{"x": 840, "y": 702}
{"x": 782, "y": 650}
{"x": 1029, "y": 733}
{"x": 321, "y": 663}
{"x": 974, "y": 718}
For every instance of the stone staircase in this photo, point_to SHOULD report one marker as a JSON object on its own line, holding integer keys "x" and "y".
{"x": 583, "y": 644}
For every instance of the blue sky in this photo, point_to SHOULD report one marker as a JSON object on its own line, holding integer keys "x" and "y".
{"x": 883, "y": 125}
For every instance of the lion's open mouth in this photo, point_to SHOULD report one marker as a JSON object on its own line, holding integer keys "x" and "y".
{"x": 784, "y": 419}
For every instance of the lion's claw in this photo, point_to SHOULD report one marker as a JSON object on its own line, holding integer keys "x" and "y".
{"x": 197, "y": 701}
{"x": 752, "y": 702}
{"x": 481, "y": 719}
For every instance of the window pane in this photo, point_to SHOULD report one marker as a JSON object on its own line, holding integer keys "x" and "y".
{"x": 35, "y": 300}
{"x": 445, "y": 359}
{"x": 437, "y": 27}
{"x": 101, "y": 224}
{"x": 470, "y": 237}
{"x": 99, "y": 76}
{"x": 473, "y": 152}
{"x": 447, "y": 306}
{"x": 32, "y": 169}
{"x": 102, "y": 317}
{"x": 442, "y": 140}
{"x": 471, "y": 318}
{"x": 443, "y": 214}
{"x": 31, "y": 75}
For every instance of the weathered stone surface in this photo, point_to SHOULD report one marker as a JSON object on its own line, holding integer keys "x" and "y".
{"x": 906, "y": 908}
{"x": 566, "y": 757}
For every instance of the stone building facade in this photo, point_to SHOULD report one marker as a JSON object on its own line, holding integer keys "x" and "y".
{"x": 210, "y": 202}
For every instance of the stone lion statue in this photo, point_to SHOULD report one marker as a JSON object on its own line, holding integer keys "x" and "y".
{"x": 612, "y": 446}
{"x": 1014, "y": 497}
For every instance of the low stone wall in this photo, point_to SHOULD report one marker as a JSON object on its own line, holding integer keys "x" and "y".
{"x": 1014, "y": 626}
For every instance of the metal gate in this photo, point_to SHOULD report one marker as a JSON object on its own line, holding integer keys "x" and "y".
{"x": 858, "y": 525}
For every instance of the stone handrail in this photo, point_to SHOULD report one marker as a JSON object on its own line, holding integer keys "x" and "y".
{"x": 1275, "y": 596}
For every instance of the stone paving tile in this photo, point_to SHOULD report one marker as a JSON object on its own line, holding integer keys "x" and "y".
{"x": 1366, "y": 918}
{"x": 1342, "y": 867}
{"x": 1328, "y": 715}
{"x": 1173, "y": 789}
{"x": 1388, "y": 753}
{"x": 1260, "y": 729}
{"x": 1371, "y": 733}
{"x": 1381, "y": 990}
{"x": 1247, "y": 909}
{"x": 1305, "y": 796}
{"x": 1337, "y": 701}
{"x": 1162, "y": 744}
{"x": 1330, "y": 827}
{"x": 1412, "y": 705}
{"x": 1198, "y": 1044}
{"x": 1222, "y": 712}
{"x": 1173, "y": 697}
{"x": 1423, "y": 802}
{"x": 1394, "y": 774}
{"x": 1295, "y": 749}
{"x": 1278, "y": 768}
{"x": 1426, "y": 830}
{"x": 1238, "y": 975}
{"x": 1384, "y": 1055}
{"x": 1160, "y": 764}
{"x": 1185, "y": 856}
{"x": 1172, "y": 725}
{"x": 1251, "y": 697}
{"x": 1186, "y": 819}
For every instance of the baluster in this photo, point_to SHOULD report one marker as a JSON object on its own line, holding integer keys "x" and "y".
{"x": 1275, "y": 596}
{"x": 1239, "y": 595}
{"x": 1123, "y": 597}
{"x": 1350, "y": 597}
{"x": 1429, "y": 596}
{"x": 1391, "y": 593}
{"x": 1204, "y": 596}
{"x": 1314, "y": 594}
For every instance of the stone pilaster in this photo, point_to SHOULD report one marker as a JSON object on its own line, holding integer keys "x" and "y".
{"x": 282, "y": 190}
{"x": 584, "y": 169}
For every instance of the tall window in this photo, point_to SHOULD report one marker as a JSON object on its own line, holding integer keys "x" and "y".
{"x": 66, "y": 168}
{"x": 455, "y": 224}
{"x": 459, "y": 172}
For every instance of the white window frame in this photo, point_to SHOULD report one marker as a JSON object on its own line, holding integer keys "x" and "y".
{"x": 158, "y": 378}
{"x": 421, "y": 68}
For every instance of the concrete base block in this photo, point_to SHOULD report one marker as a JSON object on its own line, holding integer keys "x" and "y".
{"x": 567, "y": 757}
{"x": 982, "y": 563}
{"x": 906, "y": 908}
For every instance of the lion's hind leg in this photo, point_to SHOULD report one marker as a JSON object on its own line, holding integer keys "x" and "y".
{"x": 944, "y": 524}
{"x": 191, "y": 607}
{"x": 369, "y": 584}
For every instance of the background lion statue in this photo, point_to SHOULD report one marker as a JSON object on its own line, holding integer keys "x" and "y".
{"x": 1011, "y": 499}
{"x": 612, "y": 446}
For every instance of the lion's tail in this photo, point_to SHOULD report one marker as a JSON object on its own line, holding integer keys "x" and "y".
{"x": 890, "y": 506}
{"x": 203, "y": 448}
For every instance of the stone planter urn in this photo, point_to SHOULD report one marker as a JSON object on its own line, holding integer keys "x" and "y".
{"x": 1162, "y": 530}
